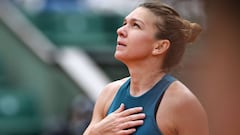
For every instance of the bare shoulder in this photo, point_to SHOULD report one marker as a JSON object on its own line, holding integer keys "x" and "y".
{"x": 110, "y": 89}
{"x": 182, "y": 96}
{"x": 185, "y": 111}
{"x": 103, "y": 102}
{"x": 113, "y": 86}
{"x": 108, "y": 93}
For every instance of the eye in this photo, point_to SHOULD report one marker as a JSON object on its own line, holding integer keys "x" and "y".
{"x": 136, "y": 25}
{"x": 124, "y": 23}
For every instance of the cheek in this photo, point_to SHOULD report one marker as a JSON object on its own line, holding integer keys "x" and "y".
{"x": 142, "y": 40}
{"x": 140, "y": 47}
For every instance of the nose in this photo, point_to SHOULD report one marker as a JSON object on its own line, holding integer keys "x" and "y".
{"x": 121, "y": 31}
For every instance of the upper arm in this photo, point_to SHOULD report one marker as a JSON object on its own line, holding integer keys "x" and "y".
{"x": 191, "y": 118}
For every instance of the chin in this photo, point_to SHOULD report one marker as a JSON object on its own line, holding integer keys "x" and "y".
{"x": 118, "y": 57}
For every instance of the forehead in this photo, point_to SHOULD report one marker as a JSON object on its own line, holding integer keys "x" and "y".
{"x": 143, "y": 14}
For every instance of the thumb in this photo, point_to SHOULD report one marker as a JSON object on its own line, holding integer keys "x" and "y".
{"x": 121, "y": 108}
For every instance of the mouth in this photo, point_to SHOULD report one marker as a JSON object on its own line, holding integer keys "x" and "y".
{"x": 121, "y": 43}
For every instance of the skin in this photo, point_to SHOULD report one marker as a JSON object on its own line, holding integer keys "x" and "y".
{"x": 180, "y": 112}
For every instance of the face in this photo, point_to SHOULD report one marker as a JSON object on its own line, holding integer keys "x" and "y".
{"x": 137, "y": 36}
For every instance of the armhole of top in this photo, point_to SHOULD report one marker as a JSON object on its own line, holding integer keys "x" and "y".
{"x": 159, "y": 103}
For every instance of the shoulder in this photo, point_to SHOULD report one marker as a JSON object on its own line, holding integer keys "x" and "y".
{"x": 103, "y": 102}
{"x": 114, "y": 85}
{"x": 108, "y": 93}
{"x": 185, "y": 110}
{"x": 183, "y": 98}
{"x": 112, "y": 88}
{"x": 181, "y": 94}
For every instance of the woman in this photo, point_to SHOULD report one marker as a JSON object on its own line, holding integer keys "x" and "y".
{"x": 150, "y": 43}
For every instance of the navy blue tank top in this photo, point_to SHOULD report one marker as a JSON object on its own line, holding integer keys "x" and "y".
{"x": 149, "y": 101}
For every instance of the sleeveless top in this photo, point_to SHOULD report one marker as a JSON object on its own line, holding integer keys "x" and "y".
{"x": 149, "y": 101}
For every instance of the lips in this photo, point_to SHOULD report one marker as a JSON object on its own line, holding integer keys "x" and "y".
{"x": 121, "y": 43}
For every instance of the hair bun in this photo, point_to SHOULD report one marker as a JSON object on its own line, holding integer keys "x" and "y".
{"x": 191, "y": 31}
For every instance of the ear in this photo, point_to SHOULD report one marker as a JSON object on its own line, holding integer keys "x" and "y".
{"x": 160, "y": 47}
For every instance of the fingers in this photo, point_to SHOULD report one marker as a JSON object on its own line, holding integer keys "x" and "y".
{"x": 120, "y": 109}
{"x": 134, "y": 117}
{"x": 124, "y": 121}
{"x": 128, "y": 111}
{"x": 131, "y": 124}
{"x": 127, "y": 131}
{"x": 131, "y": 111}
{"x": 132, "y": 121}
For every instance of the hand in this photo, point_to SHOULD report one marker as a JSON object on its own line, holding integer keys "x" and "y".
{"x": 121, "y": 122}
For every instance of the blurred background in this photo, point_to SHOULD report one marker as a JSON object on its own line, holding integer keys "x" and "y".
{"x": 57, "y": 55}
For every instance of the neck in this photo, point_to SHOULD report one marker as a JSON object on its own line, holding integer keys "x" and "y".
{"x": 142, "y": 79}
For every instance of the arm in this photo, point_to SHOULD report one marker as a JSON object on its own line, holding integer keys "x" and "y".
{"x": 180, "y": 112}
{"x": 120, "y": 122}
{"x": 190, "y": 117}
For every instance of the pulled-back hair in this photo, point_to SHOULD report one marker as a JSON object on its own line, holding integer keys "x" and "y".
{"x": 177, "y": 30}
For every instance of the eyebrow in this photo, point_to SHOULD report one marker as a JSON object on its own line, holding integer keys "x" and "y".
{"x": 134, "y": 20}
